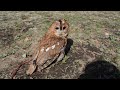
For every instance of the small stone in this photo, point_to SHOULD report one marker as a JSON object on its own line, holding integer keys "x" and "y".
{"x": 24, "y": 55}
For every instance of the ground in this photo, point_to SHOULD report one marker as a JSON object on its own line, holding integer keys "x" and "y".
{"x": 94, "y": 35}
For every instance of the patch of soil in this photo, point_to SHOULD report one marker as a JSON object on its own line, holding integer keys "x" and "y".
{"x": 71, "y": 69}
{"x": 6, "y": 37}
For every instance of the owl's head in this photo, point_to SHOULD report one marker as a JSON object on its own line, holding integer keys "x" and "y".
{"x": 60, "y": 28}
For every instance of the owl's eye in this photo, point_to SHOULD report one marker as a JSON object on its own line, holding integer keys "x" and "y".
{"x": 64, "y": 28}
{"x": 57, "y": 28}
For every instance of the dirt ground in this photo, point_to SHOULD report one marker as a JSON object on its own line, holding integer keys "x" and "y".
{"x": 94, "y": 36}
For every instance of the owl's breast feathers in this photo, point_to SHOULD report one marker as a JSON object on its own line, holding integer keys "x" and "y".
{"x": 49, "y": 47}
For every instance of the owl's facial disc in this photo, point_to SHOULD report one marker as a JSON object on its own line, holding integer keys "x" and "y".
{"x": 61, "y": 28}
{"x": 60, "y": 25}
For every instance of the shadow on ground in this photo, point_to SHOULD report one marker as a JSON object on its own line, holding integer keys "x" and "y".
{"x": 68, "y": 46}
{"x": 100, "y": 70}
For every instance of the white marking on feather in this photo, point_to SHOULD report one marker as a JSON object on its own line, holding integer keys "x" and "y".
{"x": 53, "y": 46}
{"x": 57, "y": 43}
{"x": 47, "y": 49}
{"x": 42, "y": 50}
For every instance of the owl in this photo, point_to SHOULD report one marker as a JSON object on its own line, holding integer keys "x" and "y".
{"x": 51, "y": 47}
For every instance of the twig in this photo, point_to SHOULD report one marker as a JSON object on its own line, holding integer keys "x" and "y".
{"x": 18, "y": 67}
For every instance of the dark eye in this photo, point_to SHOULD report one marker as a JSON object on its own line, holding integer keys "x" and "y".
{"x": 64, "y": 28}
{"x": 57, "y": 28}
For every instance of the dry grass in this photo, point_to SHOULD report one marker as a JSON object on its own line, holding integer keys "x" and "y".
{"x": 94, "y": 34}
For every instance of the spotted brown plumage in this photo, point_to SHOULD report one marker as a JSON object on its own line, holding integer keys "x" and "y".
{"x": 51, "y": 47}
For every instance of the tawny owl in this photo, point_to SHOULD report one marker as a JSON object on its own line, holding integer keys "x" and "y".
{"x": 51, "y": 47}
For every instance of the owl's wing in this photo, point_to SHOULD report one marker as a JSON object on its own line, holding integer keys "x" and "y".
{"x": 48, "y": 51}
